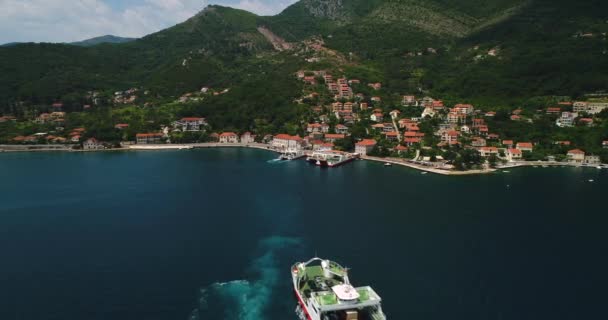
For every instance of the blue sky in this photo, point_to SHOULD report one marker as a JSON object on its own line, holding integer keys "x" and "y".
{"x": 73, "y": 20}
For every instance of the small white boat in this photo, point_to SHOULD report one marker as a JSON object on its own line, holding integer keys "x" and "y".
{"x": 388, "y": 164}
{"x": 599, "y": 167}
{"x": 423, "y": 172}
{"x": 591, "y": 180}
{"x": 506, "y": 171}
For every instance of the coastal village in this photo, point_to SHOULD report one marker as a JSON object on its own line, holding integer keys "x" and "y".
{"x": 421, "y": 131}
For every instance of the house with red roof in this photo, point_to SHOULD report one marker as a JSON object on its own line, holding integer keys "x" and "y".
{"x": 515, "y": 117}
{"x": 514, "y": 154}
{"x": 400, "y": 149}
{"x": 333, "y": 137}
{"x": 148, "y": 138}
{"x": 317, "y": 127}
{"x": 285, "y": 142}
{"x": 488, "y": 151}
{"x": 365, "y": 146}
{"x": 508, "y": 143}
{"x": 92, "y": 144}
{"x": 377, "y": 117}
{"x": 121, "y": 126}
{"x": 450, "y": 136}
{"x": 229, "y": 137}
{"x": 554, "y": 110}
{"x": 392, "y": 136}
{"x": 525, "y": 146}
{"x": 342, "y": 129}
{"x": 605, "y": 144}
{"x": 466, "y": 109}
{"x": 576, "y": 156}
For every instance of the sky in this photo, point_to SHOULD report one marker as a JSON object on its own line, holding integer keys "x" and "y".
{"x": 75, "y": 20}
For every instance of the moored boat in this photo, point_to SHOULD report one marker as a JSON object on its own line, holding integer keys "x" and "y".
{"x": 324, "y": 292}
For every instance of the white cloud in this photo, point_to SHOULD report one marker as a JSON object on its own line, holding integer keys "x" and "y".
{"x": 263, "y": 7}
{"x": 73, "y": 20}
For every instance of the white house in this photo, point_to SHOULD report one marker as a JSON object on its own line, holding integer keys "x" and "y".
{"x": 514, "y": 154}
{"x": 377, "y": 117}
{"x": 576, "y": 156}
{"x": 229, "y": 137}
{"x": 92, "y": 144}
{"x": 190, "y": 124}
{"x": 247, "y": 137}
{"x": 284, "y": 142}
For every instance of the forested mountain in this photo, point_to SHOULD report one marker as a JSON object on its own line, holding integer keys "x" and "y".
{"x": 495, "y": 51}
{"x": 103, "y": 39}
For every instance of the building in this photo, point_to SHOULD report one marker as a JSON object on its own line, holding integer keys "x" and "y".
{"x": 593, "y": 160}
{"x": 333, "y": 137}
{"x": 229, "y": 137}
{"x": 508, "y": 143}
{"x": 392, "y": 136}
{"x": 450, "y": 137}
{"x": 576, "y": 156}
{"x": 284, "y": 142}
{"x": 190, "y": 124}
{"x": 554, "y": 110}
{"x": 566, "y": 120}
{"x": 488, "y": 151}
{"x": 525, "y": 146}
{"x": 365, "y": 146}
{"x": 121, "y": 126}
{"x": 377, "y": 117}
{"x": 514, "y": 154}
{"x": 478, "y": 142}
{"x": 148, "y": 138}
{"x": 466, "y": 109}
{"x": 605, "y": 144}
{"x": 342, "y": 129}
{"x": 589, "y": 107}
{"x": 92, "y": 144}
{"x": 395, "y": 114}
{"x": 409, "y": 100}
{"x": 317, "y": 127}
{"x": 247, "y": 137}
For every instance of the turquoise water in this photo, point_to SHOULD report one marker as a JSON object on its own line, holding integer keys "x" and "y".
{"x": 211, "y": 234}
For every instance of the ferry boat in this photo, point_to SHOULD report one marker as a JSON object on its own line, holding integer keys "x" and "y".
{"x": 324, "y": 292}
{"x": 330, "y": 158}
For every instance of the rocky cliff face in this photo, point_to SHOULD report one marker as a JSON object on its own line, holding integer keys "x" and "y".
{"x": 330, "y": 9}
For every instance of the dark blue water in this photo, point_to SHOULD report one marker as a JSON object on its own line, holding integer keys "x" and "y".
{"x": 211, "y": 234}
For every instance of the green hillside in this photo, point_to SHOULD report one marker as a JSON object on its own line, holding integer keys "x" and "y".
{"x": 439, "y": 46}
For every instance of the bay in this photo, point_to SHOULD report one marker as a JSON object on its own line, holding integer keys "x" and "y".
{"x": 211, "y": 234}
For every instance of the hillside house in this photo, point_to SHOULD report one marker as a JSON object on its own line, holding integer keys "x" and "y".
{"x": 525, "y": 146}
{"x": 341, "y": 129}
{"x": 193, "y": 124}
{"x": 377, "y": 117}
{"x": 488, "y": 151}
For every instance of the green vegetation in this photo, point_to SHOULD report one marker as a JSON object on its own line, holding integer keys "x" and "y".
{"x": 497, "y": 54}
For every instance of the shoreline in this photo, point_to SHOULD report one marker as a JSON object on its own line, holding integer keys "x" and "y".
{"x": 419, "y": 167}
{"x": 266, "y": 147}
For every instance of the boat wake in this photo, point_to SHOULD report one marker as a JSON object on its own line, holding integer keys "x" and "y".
{"x": 247, "y": 299}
